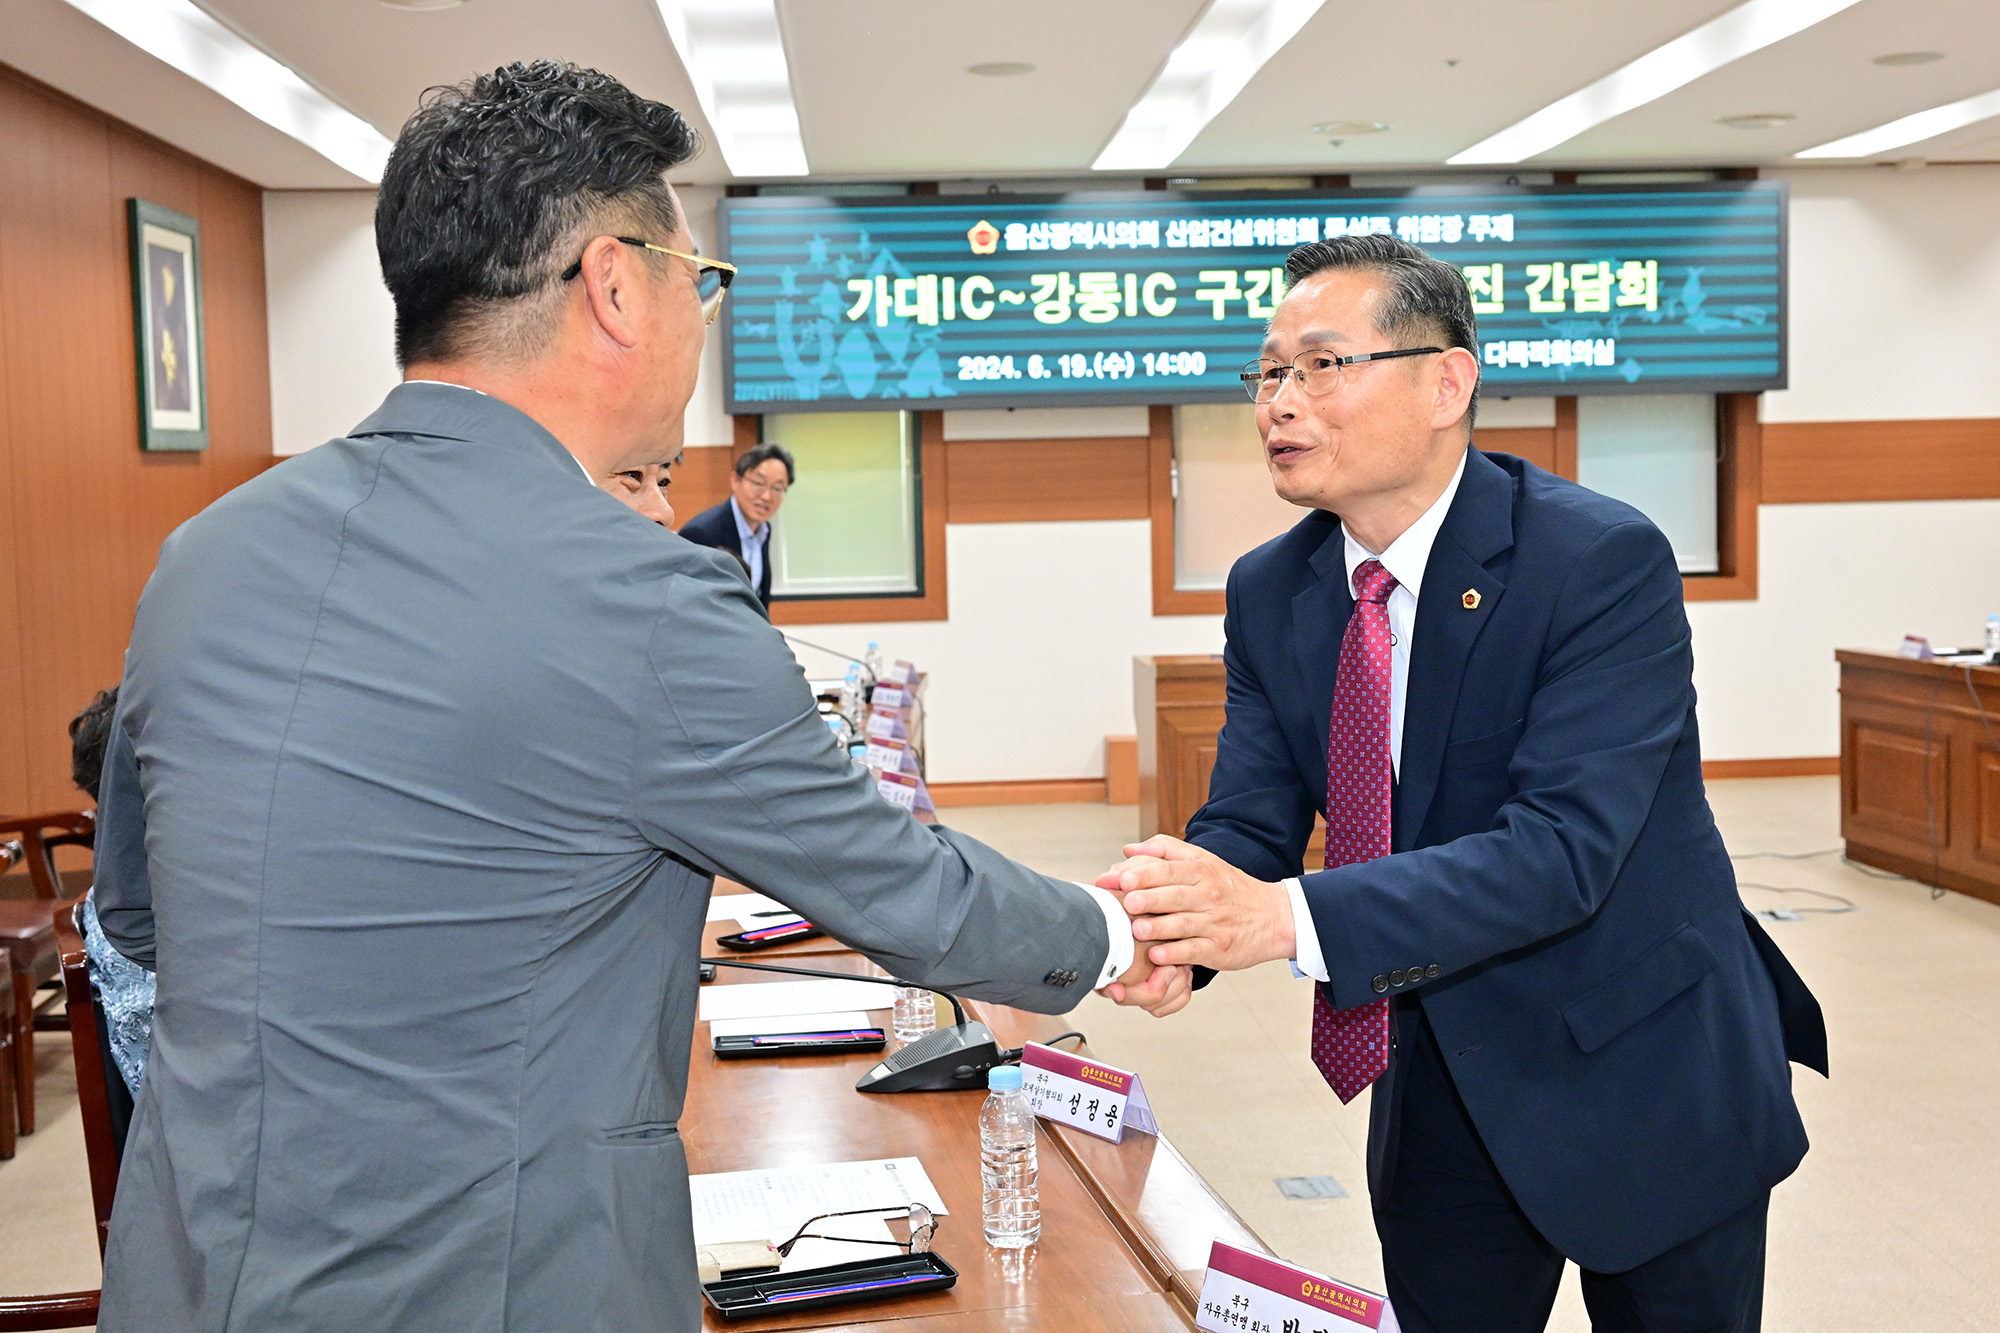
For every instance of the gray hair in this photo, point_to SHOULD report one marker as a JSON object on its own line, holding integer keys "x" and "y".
{"x": 1428, "y": 298}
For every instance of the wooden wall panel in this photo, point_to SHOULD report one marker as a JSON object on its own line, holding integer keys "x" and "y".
{"x": 1808, "y": 462}
{"x": 85, "y": 510}
{"x": 1537, "y": 444}
{"x": 700, "y": 481}
{"x": 1028, "y": 481}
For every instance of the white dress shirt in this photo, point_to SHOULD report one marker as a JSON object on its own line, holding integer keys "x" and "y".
{"x": 752, "y": 541}
{"x": 1118, "y": 926}
{"x": 1405, "y": 560}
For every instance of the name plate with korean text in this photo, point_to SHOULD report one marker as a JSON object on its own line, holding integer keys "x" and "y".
{"x": 1094, "y": 1098}
{"x": 1254, "y": 1293}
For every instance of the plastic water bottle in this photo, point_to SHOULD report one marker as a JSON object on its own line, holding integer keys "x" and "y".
{"x": 1993, "y": 637}
{"x": 916, "y": 1014}
{"x": 872, "y": 659}
{"x": 1012, "y": 1207}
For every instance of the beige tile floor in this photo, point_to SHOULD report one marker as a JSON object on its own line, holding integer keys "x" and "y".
{"x": 1889, "y": 1224}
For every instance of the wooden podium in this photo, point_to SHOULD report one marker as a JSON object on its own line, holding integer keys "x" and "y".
{"x": 1920, "y": 769}
{"x": 1178, "y": 705}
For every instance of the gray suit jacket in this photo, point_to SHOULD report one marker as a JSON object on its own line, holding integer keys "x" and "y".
{"x": 431, "y": 749}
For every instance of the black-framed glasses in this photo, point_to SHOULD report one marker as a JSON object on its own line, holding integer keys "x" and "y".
{"x": 923, "y": 1227}
{"x": 1317, "y": 371}
{"x": 711, "y": 276}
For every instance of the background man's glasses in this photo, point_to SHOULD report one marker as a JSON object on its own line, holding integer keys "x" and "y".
{"x": 923, "y": 1226}
{"x": 711, "y": 281}
{"x": 1317, "y": 371}
{"x": 772, "y": 492}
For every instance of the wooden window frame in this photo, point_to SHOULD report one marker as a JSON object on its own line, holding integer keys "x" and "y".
{"x": 932, "y": 488}
{"x": 1739, "y": 476}
{"x": 1167, "y": 599}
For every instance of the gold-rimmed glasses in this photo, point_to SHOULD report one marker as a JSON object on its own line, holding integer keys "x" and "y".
{"x": 711, "y": 276}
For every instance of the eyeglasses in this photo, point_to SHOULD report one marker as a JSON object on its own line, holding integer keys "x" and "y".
{"x": 923, "y": 1226}
{"x": 759, "y": 488}
{"x": 711, "y": 276}
{"x": 1317, "y": 371}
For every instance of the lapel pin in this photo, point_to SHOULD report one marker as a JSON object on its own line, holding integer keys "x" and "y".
{"x": 1471, "y": 599}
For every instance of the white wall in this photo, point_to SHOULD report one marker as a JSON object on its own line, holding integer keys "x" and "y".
{"x": 1034, "y": 668}
{"x": 1894, "y": 280}
{"x": 333, "y": 329}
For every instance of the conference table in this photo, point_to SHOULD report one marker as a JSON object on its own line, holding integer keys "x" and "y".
{"x": 1126, "y": 1227}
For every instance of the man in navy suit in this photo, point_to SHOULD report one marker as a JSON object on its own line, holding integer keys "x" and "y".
{"x": 741, "y": 525}
{"x": 1529, "y": 938}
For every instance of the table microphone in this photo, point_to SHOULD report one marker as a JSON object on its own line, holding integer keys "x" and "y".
{"x": 943, "y": 1061}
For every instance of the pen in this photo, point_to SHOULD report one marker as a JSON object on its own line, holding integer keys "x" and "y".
{"x": 808, "y": 1038}
{"x": 842, "y": 1288}
{"x": 783, "y": 911}
{"x": 779, "y": 932}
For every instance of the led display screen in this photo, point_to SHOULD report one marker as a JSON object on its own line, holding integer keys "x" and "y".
{"x": 1001, "y": 300}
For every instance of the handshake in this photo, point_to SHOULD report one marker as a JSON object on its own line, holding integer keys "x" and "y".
{"x": 1191, "y": 908}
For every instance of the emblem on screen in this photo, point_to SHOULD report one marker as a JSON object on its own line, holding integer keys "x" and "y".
{"x": 985, "y": 238}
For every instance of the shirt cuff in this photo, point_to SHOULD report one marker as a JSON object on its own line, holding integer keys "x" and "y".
{"x": 1307, "y": 960}
{"x": 1118, "y": 929}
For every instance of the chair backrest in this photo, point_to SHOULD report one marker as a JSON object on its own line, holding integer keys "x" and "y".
{"x": 68, "y": 1309}
{"x": 76, "y": 1309}
{"x": 40, "y": 835}
{"x": 100, "y": 1138}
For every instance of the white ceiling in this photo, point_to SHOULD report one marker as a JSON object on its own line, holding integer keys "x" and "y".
{"x": 882, "y": 90}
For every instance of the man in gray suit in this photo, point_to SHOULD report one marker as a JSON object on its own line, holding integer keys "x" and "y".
{"x": 426, "y": 752}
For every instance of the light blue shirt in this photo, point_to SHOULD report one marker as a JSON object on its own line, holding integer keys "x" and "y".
{"x": 752, "y": 543}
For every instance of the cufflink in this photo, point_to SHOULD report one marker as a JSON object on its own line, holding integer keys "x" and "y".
{"x": 1471, "y": 599}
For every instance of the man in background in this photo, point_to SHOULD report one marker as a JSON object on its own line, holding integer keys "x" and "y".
{"x": 424, "y": 759}
{"x": 1527, "y": 935}
{"x": 741, "y": 524}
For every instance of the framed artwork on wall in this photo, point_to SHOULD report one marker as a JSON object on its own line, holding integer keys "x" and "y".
{"x": 167, "y": 328}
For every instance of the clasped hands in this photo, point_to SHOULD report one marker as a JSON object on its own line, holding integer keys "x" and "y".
{"x": 1191, "y": 908}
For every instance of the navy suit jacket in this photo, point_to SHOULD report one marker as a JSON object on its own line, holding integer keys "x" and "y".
{"x": 1559, "y": 901}
{"x": 716, "y": 527}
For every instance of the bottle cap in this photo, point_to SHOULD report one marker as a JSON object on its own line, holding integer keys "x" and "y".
{"x": 1004, "y": 1078}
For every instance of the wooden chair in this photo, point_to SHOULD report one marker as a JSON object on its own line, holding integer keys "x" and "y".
{"x": 40, "y": 835}
{"x": 29, "y": 936}
{"x": 78, "y": 1309}
{"x": 6, "y": 1051}
{"x": 102, "y": 1135}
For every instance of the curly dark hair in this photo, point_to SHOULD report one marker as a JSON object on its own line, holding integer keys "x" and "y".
{"x": 492, "y": 183}
{"x": 1428, "y": 298}
{"x": 89, "y": 737}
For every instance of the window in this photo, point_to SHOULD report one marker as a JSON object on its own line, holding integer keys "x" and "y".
{"x": 1223, "y": 502}
{"x": 852, "y": 524}
{"x": 1657, "y": 453}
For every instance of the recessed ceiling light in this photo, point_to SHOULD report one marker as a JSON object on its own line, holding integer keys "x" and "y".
{"x": 1758, "y": 120}
{"x": 1203, "y": 74}
{"x": 1900, "y": 59}
{"x": 1347, "y": 129}
{"x": 191, "y": 41}
{"x": 1749, "y": 27}
{"x": 1908, "y": 130}
{"x": 421, "y": 6}
{"x": 735, "y": 57}
{"x": 1001, "y": 69}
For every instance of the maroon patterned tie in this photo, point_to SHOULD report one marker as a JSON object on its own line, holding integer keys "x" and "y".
{"x": 1351, "y": 1046}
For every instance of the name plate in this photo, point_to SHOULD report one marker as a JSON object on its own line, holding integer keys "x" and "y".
{"x": 1254, "y": 1293}
{"x": 1095, "y": 1098}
